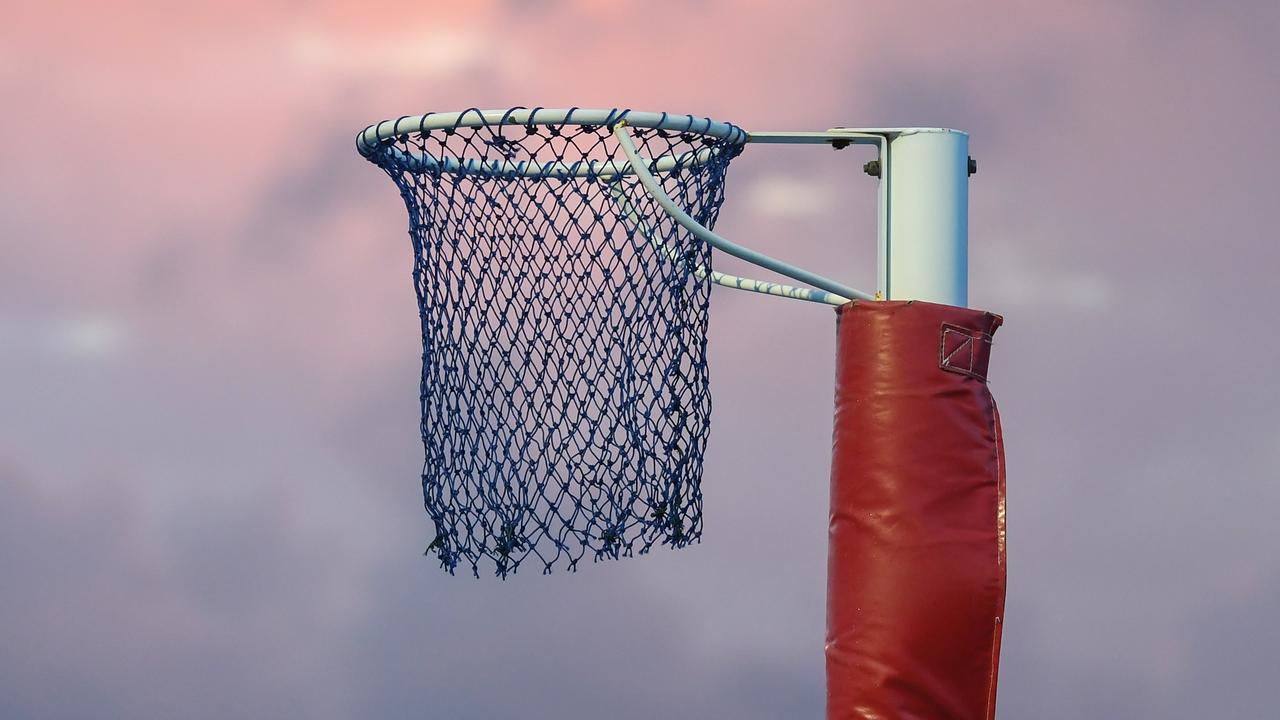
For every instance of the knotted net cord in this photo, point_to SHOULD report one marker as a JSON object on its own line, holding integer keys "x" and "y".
{"x": 565, "y": 399}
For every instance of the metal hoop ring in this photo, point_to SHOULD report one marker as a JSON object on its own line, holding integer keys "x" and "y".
{"x": 373, "y": 140}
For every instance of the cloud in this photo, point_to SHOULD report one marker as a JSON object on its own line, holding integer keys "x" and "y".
{"x": 211, "y": 503}
{"x": 431, "y": 54}
{"x": 86, "y": 336}
{"x": 1014, "y": 277}
{"x": 787, "y": 197}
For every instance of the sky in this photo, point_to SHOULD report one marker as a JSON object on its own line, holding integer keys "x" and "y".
{"x": 209, "y": 452}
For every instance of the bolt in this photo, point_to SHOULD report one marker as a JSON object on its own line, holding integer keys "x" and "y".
{"x": 973, "y": 165}
{"x": 872, "y": 168}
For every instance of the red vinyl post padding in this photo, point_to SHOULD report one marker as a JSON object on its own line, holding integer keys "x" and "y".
{"x": 916, "y": 572}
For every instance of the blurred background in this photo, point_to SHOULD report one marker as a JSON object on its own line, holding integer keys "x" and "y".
{"x": 209, "y": 452}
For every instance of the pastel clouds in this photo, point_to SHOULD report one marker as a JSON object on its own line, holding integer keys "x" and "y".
{"x": 208, "y": 440}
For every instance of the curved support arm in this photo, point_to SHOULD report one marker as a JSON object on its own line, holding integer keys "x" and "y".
{"x": 756, "y": 258}
{"x": 723, "y": 279}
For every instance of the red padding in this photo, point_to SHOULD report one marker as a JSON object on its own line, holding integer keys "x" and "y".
{"x": 916, "y": 574}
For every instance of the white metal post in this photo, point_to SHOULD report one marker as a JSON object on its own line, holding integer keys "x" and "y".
{"x": 924, "y": 233}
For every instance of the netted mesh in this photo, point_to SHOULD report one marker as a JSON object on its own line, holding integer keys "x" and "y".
{"x": 565, "y": 401}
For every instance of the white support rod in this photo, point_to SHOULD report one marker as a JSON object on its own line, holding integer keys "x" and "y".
{"x": 924, "y": 244}
{"x": 723, "y": 279}
{"x": 828, "y": 137}
{"x": 756, "y": 258}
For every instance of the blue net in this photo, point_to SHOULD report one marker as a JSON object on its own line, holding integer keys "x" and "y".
{"x": 565, "y": 400}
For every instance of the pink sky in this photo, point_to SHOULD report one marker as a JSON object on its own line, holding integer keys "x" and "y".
{"x": 209, "y": 501}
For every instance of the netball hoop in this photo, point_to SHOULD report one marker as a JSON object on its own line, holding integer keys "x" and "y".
{"x": 563, "y": 269}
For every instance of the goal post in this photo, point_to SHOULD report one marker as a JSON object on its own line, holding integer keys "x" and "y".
{"x": 925, "y": 216}
{"x": 916, "y": 559}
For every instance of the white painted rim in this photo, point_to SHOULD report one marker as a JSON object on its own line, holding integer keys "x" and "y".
{"x": 370, "y": 140}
